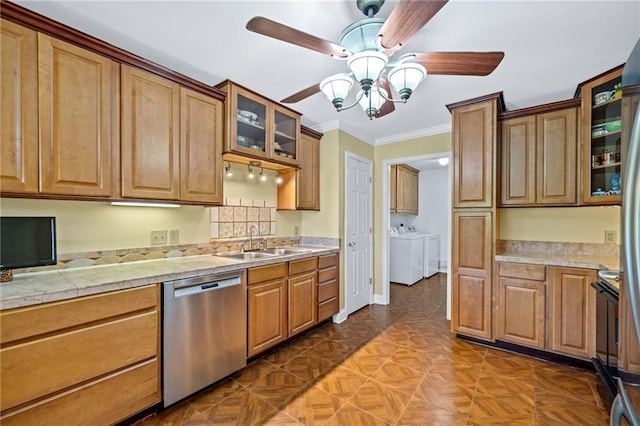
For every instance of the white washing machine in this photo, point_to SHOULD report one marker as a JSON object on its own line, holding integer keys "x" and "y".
{"x": 406, "y": 258}
{"x": 431, "y": 254}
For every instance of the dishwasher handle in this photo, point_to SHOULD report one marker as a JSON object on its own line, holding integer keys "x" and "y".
{"x": 200, "y": 287}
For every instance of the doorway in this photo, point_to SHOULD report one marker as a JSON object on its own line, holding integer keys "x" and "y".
{"x": 358, "y": 218}
{"x": 434, "y": 193}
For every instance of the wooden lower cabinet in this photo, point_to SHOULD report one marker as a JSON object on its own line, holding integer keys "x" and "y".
{"x": 520, "y": 314}
{"x": 572, "y": 312}
{"x": 328, "y": 279}
{"x": 472, "y": 264}
{"x": 65, "y": 356}
{"x": 267, "y": 307}
{"x": 302, "y": 294}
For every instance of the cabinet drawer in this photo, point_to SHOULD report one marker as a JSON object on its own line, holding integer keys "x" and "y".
{"x": 304, "y": 265}
{"x": 327, "y": 261}
{"x": 266, "y": 273}
{"x": 327, "y": 290}
{"x": 523, "y": 270}
{"x": 129, "y": 391}
{"x": 327, "y": 274}
{"x": 37, "y": 368}
{"x": 22, "y": 323}
{"x": 328, "y": 308}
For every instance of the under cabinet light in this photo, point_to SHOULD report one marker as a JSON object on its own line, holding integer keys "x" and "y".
{"x": 228, "y": 169}
{"x": 263, "y": 177}
{"x": 278, "y": 179}
{"x": 139, "y": 204}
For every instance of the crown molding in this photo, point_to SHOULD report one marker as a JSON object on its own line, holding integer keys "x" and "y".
{"x": 414, "y": 134}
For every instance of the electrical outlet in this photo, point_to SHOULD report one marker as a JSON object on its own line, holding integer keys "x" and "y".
{"x": 159, "y": 237}
{"x": 174, "y": 236}
{"x": 610, "y": 237}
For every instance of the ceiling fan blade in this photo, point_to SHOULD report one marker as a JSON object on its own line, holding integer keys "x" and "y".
{"x": 273, "y": 29}
{"x": 459, "y": 63}
{"x": 406, "y": 19}
{"x": 303, "y": 94}
{"x": 387, "y": 107}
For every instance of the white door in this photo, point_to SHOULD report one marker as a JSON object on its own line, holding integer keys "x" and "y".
{"x": 358, "y": 238}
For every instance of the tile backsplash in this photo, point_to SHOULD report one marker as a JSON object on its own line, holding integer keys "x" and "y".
{"x": 238, "y": 215}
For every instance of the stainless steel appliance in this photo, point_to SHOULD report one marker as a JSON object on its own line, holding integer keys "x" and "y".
{"x": 606, "y": 359}
{"x": 204, "y": 328}
{"x": 630, "y": 264}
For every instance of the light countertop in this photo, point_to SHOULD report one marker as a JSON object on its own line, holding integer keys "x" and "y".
{"x": 554, "y": 259}
{"x": 48, "y": 286}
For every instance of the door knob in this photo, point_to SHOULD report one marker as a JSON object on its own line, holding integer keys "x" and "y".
{"x": 351, "y": 243}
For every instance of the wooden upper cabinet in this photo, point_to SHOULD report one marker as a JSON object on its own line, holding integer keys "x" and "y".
{"x": 19, "y": 119}
{"x": 539, "y": 158}
{"x": 150, "y": 136}
{"x": 201, "y": 136}
{"x": 406, "y": 189}
{"x": 78, "y": 116}
{"x": 472, "y": 260}
{"x": 308, "y": 177}
{"x": 474, "y": 142}
{"x": 393, "y": 184}
{"x": 258, "y": 128}
{"x": 518, "y": 143}
{"x": 557, "y": 136}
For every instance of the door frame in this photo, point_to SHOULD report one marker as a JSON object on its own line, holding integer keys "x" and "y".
{"x": 369, "y": 162}
{"x": 384, "y": 298}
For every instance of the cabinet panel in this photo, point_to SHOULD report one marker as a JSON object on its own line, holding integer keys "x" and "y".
{"x": 267, "y": 315}
{"x": 629, "y": 349}
{"x": 472, "y": 273}
{"x": 308, "y": 177}
{"x": 129, "y": 391}
{"x": 19, "y": 112}
{"x": 393, "y": 185}
{"x": 556, "y": 135}
{"x": 474, "y": 139}
{"x": 521, "y": 312}
{"x": 200, "y": 147}
{"x": 78, "y": 119}
{"x": 328, "y": 260}
{"x": 266, "y": 273}
{"x": 150, "y": 136}
{"x": 328, "y": 308}
{"x": 518, "y": 161}
{"x": 602, "y": 119}
{"x": 302, "y": 302}
{"x": 40, "y": 367}
{"x": 406, "y": 189}
{"x": 303, "y": 265}
{"x": 327, "y": 290}
{"x": 572, "y": 312}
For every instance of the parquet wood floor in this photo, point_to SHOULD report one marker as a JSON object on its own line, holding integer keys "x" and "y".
{"x": 394, "y": 365}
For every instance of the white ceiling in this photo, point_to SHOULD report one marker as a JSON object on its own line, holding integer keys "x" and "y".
{"x": 550, "y": 47}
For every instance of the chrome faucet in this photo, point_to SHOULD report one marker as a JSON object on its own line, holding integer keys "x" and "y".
{"x": 251, "y": 235}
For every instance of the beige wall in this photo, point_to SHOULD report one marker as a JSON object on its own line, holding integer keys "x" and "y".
{"x": 568, "y": 224}
{"x": 89, "y": 225}
{"x": 411, "y": 148}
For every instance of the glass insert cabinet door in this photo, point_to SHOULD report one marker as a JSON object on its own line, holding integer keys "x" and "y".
{"x": 251, "y": 119}
{"x": 602, "y": 151}
{"x": 285, "y": 130}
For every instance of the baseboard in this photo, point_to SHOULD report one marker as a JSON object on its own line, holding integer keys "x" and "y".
{"x": 340, "y": 316}
{"x": 535, "y": 353}
{"x": 378, "y": 299}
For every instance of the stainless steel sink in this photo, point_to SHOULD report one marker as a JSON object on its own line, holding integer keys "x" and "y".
{"x": 246, "y": 255}
{"x": 283, "y": 251}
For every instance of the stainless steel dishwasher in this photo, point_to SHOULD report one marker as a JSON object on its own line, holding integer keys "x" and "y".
{"x": 204, "y": 327}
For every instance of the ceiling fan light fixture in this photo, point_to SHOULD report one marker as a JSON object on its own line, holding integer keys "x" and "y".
{"x": 336, "y": 88}
{"x": 372, "y": 101}
{"x": 406, "y": 77}
{"x": 367, "y": 66}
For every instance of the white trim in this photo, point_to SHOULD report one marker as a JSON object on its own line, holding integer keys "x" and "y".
{"x": 378, "y": 299}
{"x": 337, "y": 124}
{"x": 369, "y": 162}
{"x": 414, "y": 134}
{"x": 340, "y": 316}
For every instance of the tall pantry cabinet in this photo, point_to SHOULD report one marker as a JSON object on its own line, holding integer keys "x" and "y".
{"x": 474, "y": 211}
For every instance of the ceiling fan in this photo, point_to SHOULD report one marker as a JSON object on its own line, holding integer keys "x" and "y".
{"x": 368, "y": 45}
